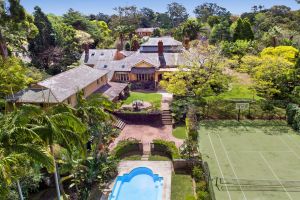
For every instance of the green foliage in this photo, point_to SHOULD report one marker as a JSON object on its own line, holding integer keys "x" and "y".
{"x": 288, "y": 53}
{"x": 238, "y": 48}
{"x": 42, "y": 47}
{"x": 206, "y": 10}
{"x": 197, "y": 173}
{"x": 189, "y": 29}
{"x": 220, "y": 32}
{"x": 191, "y": 123}
{"x": 156, "y": 32}
{"x": 15, "y": 76}
{"x": 177, "y": 13}
{"x": 203, "y": 195}
{"x": 124, "y": 147}
{"x": 16, "y": 27}
{"x": 291, "y": 111}
{"x": 202, "y": 77}
{"x": 168, "y": 147}
{"x": 242, "y": 30}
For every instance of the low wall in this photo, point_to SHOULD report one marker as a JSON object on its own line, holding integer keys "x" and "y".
{"x": 139, "y": 117}
{"x": 183, "y": 165}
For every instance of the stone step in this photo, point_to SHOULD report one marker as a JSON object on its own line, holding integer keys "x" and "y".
{"x": 145, "y": 157}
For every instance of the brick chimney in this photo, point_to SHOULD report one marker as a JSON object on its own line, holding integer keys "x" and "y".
{"x": 87, "y": 52}
{"x": 160, "y": 48}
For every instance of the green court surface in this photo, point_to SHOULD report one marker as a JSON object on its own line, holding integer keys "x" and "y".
{"x": 253, "y": 160}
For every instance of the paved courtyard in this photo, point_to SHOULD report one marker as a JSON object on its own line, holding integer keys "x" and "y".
{"x": 146, "y": 134}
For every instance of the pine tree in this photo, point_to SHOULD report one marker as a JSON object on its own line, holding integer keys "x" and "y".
{"x": 42, "y": 47}
{"x": 247, "y": 30}
{"x": 238, "y": 31}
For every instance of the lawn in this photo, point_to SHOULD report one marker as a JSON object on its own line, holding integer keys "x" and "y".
{"x": 158, "y": 158}
{"x": 153, "y": 98}
{"x": 179, "y": 132}
{"x": 252, "y": 159}
{"x": 182, "y": 187}
{"x": 240, "y": 91}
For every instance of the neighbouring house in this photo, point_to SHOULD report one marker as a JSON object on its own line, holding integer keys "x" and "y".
{"x": 143, "y": 32}
{"x": 143, "y": 68}
{"x": 64, "y": 87}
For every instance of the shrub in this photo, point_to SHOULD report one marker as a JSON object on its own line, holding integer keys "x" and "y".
{"x": 201, "y": 195}
{"x": 201, "y": 186}
{"x": 197, "y": 173}
{"x": 167, "y": 147}
{"x": 291, "y": 110}
{"x": 124, "y": 147}
{"x": 190, "y": 198}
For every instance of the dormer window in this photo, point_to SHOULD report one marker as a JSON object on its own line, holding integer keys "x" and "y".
{"x": 102, "y": 54}
{"x": 123, "y": 66}
{"x": 93, "y": 53}
{"x": 105, "y": 66}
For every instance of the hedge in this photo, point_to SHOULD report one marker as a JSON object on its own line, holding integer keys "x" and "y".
{"x": 293, "y": 116}
{"x": 124, "y": 147}
{"x": 167, "y": 147}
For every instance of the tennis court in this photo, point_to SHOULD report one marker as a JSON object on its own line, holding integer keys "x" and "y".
{"x": 252, "y": 160}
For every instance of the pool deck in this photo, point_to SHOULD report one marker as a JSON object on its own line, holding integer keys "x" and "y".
{"x": 162, "y": 168}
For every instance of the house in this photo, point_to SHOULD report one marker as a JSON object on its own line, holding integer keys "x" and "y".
{"x": 143, "y": 68}
{"x": 143, "y": 32}
{"x": 64, "y": 87}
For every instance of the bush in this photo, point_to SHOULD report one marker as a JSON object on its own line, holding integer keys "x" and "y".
{"x": 201, "y": 195}
{"x": 197, "y": 173}
{"x": 169, "y": 148}
{"x": 190, "y": 198}
{"x": 124, "y": 147}
{"x": 201, "y": 186}
{"x": 293, "y": 116}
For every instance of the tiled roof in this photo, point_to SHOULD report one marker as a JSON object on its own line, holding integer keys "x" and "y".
{"x": 33, "y": 95}
{"x": 70, "y": 82}
{"x": 168, "y": 41}
{"x": 112, "y": 89}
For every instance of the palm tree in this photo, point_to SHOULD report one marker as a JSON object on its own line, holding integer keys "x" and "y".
{"x": 59, "y": 125}
{"x": 95, "y": 112}
{"x": 19, "y": 144}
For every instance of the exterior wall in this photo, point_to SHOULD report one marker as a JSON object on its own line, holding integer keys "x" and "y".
{"x": 143, "y": 64}
{"x": 143, "y": 34}
{"x": 90, "y": 89}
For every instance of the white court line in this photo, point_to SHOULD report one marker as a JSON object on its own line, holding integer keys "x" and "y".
{"x": 268, "y": 164}
{"x": 293, "y": 141}
{"x": 218, "y": 164}
{"x": 260, "y": 151}
{"x": 286, "y": 144}
{"x": 232, "y": 168}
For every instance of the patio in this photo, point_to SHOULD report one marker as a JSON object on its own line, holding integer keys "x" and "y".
{"x": 146, "y": 134}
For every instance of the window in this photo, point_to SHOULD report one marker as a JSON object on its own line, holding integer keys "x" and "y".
{"x": 99, "y": 81}
{"x": 105, "y": 66}
{"x": 145, "y": 77}
{"x": 122, "y": 77}
{"x": 69, "y": 100}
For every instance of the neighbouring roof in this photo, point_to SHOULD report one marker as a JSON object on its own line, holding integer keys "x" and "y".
{"x": 112, "y": 89}
{"x": 33, "y": 95}
{"x": 167, "y": 41}
{"x": 139, "y": 30}
{"x": 96, "y": 55}
{"x": 70, "y": 82}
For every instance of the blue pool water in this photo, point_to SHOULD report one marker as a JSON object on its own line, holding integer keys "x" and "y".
{"x": 139, "y": 184}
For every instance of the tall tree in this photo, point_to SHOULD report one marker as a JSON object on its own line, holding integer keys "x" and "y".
{"x": 220, "y": 32}
{"x": 42, "y": 47}
{"x": 147, "y": 18}
{"x": 177, "y": 13}
{"x": 242, "y": 30}
{"x": 201, "y": 75}
{"x": 204, "y": 11}
{"x": 189, "y": 29}
{"x": 16, "y": 26}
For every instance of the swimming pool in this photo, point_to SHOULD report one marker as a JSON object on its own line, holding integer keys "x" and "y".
{"x": 139, "y": 184}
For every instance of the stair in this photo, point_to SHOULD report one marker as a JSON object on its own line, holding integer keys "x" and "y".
{"x": 119, "y": 124}
{"x": 166, "y": 117}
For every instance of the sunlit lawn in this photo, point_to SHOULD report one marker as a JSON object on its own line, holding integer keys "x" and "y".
{"x": 158, "y": 158}
{"x": 180, "y": 132}
{"x": 182, "y": 187}
{"x": 153, "y": 98}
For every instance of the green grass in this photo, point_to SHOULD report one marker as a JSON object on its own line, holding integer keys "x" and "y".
{"x": 254, "y": 150}
{"x": 158, "y": 158}
{"x": 133, "y": 157}
{"x": 179, "y": 132}
{"x": 153, "y": 98}
{"x": 239, "y": 91}
{"x": 182, "y": 187}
